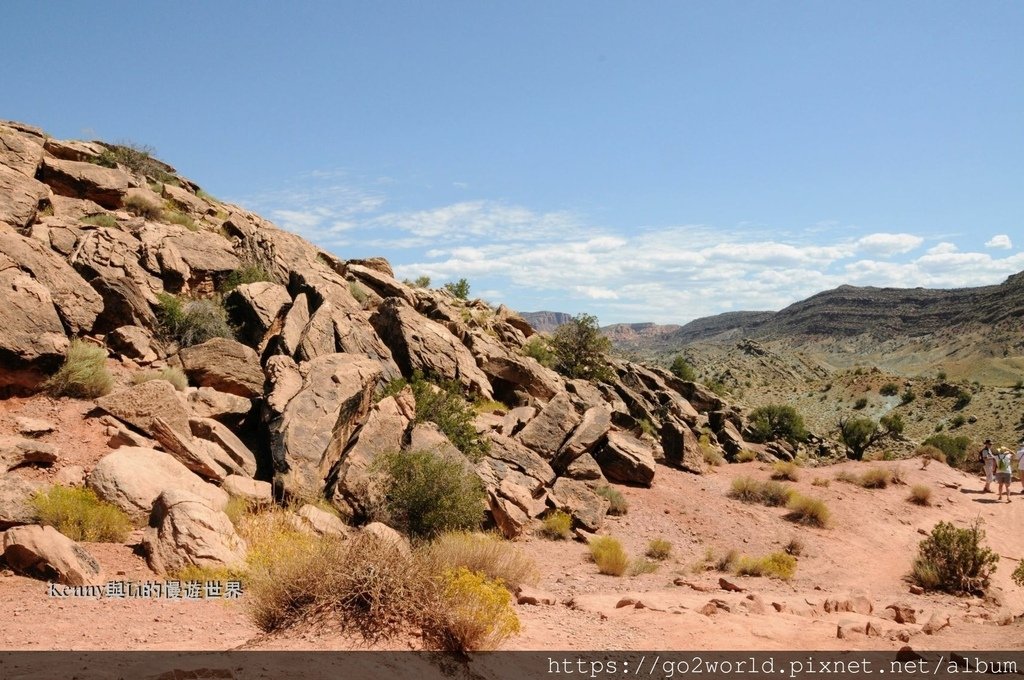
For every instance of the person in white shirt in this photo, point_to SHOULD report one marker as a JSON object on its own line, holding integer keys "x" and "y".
{"x": 1020, "y": 465}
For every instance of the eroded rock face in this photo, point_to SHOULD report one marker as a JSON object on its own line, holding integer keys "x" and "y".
{"x": 682, "y": 447}
{"x": 579, "y": 500}
{"x": 138, "y": 405}
{"x": 336, "y": 391}
{"x": 207, "y": 402}
{"x": 184, "y": 530}
{"x": 21, "y": 197}
{"x": 546, "y": 433}
{"x": 226, "y": 366}
{"x": 132, "y": 477}
{"x": 255, "y": 307}
{"x": 45, "y": 553}
{"x": 76, "y": 179}
{"x": 32, "y": 340}
{"x": 626, "y": 459}
{"x": 417, "y": 343}
{"x": 16, "y": 501}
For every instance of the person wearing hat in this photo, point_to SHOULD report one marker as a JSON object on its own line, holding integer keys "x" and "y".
{"x": 988, "y": 461}
{"x": 1020, "y": 464}
{"x": 1004, "y": 471}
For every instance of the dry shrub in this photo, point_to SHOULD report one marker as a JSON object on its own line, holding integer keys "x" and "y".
{"x": 488, "y": 554}
{"x": 727, "y": 562}
{"x": 472, "y": 612}
{"x": 795, "y": 547}
{"x": 788, "y": 471}
{"x": 750, "y": 490}
{"x": 776, "y": 565}
{"x": 659, "y": 549}
{"x": 775, "y": 494}
{"x": 618, "y": 505}
{"x": 821, "y": 481}
{"x": 928, "y": 453}
{"x": 810, "y": 511}
{"x": 143, "y": 207}
{"x": 848, "y": 477}
{"x": 80, "y": 515}
{"x": 954, "y": 560}
{"x": 84, "y": 374}
{"x": 642, "y": 565}
{"x": 876, "y": 478}
{"x": 920, "y": 494}
{"x": 746, "y": 456}
{"x": 609, "y": 555}
{"x": 712, "y": 456}
{"x": 171, "y": 374}
{"x": 557, "y": 526}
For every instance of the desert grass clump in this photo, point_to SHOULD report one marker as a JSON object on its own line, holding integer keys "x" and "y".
{"x": 557, "y": 526}
{"x": 171, "y": 374}
{"x": 100, "y": 220}
{"x": 488, "y": 554}
{"x": 787, "y": 471}
{"x": 618, "y": 505}
{"x": 746, "y": 456}
{"x": 848, "y": 477}
{"x": 609, "y": 555}
{"x": 642, "y": 565}
{"x": 425, "y": 494}
{"x": 143, "y": 207}
{"x": 712, "y": 456}
{"x": 750, "y": 490}
{"x": 181, "y": 219}
{"x": 876, "y": 478}
{"x": 191, "y": 322}
{"x": 821, "y": 481}
{"x": 954, "y": 560}
{"x": 248, "y": 272}
{"x": 80, "y": 515}
{"x": 927, "y": 453}
{"x": 726, "y": 562}
{"x": 659, "y": 549}
{"x": 473, "y": 613}
{"x": 795, "y": 547}
{"x": 83, "y": 375}
{"x": 776, "y": 565}
{"x": 489, "y": 406}
{"x": 920, "y": 494}
{"x": 808, "y": 511}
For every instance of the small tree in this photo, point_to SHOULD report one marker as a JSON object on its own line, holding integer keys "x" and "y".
{"x": 955, "y": 448}
{"x": 459, "y": 289}
{"x": 860, "y": 434}
{"x": 682, "y": 369}
{"x": 954, "y": 560}
{"x": 777, "y": 421}
{"x": 580, "y": 349}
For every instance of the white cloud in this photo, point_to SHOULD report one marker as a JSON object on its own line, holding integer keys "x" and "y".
{"x": 999, "y": 241}
{"x": 884, "y": 245}
{"x": 942, "y": 248}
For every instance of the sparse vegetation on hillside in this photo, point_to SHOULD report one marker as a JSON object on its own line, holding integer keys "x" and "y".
{"x": 139, "y": 158}
{"x": 776, "y": 565}
{"x": 100, "y": 220}
{"x": 580, "y": 350}
{"x": 83, "y": 375}
{"x": 459, "y": 289}
{"x": 889, "y": 389}
{"x": 682, "y": 369}
{"x": 191, "y": 322}
{"x": 248, "y": 272}
{"x": 425, "y": 494}
{"x": 171, "y": 374}
{"x": 80, "y": 515}
{"x": 539, "y": 348}
{"x": 557, "y": 526}
{"x": 860, "y": 434}
{"x": 609, "y": 555}
{"x": 954, "y": 560}
{"x": 777, "y": 421}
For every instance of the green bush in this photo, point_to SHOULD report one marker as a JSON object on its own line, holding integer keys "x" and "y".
{"x": 683, "y": 370}
{"x": 908, "y": 397}
{"x": 83, "y": 375}
{"x": 954, "y": 560}
{"x": 442, "y": 403}
{"x": 860, "y": 403}
{"x": 137, "y": 157}
{"x": 171, "y": 374}
{"x": 860, "y": 434}
{"x": 191, "y": 322}
{"x": 963, "y": 398}
{"x": 101, "y": 220}
{"x": 460, "y": 289}
{"x": 955, "y": 448}
{"x": 557, "y": 526}
{"x": 777, "y": 421}
{"x": 776, "y": 565}
{"x": 539, "y": 348}
{"x": 889, "y": 389}
{"x": 609, "y": 555}
{"x": 659, "y": 549}
{"x": 618, "y": 503}
{"x": 80, "y": 515}
{"x": 1018, "y": 574}
{"x": 810, "y": 511}
{"x": 957, "y": 421}
{"x": 580, "y": 350}
{"x": 473, "y": 613}
{"x": 425, "y": 494}
{"x": 249, "y": 272}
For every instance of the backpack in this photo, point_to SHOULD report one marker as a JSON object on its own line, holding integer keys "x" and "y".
{"x": 981, "y": 455}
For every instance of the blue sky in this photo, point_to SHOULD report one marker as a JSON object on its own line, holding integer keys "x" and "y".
{"x": 637, "y": 160}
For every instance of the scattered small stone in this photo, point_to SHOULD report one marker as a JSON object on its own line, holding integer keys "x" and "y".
{"x": 34, "y": 427}
{"x": 916, "y": 590}
{"x": 729, "y": 585}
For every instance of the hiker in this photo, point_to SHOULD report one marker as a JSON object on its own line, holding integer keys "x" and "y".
{"x": 1004, "y": 472}
{"x": 1020, "y": 465}
{"x": 988, "y": 461}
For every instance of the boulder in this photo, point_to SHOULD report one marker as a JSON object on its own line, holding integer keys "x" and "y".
{"x": 76, "y": 179}
{"x": 45, "y": 553}
{"x": 250, "y": 490}
{"x": 226, "y": 366}
{"x": 295, "y": 321}
{"x": 516, "y": 419}
{"x": 76, "y": 302}
{"x": 184, "y": 200}
{"x": 190, "y": 452}
{"x": 626, "y": 459}
{"x": 523, "y": 372}
{"x": 255, "y": 307}
{"x": 133, "y": 342}
{"x": 21, "y": 153}
{"x": 16, "y": 501}
{"x": 73, "y": 150}
{"x": 546, "y": 433}
{"x": 185, "y": 531}
{"x": 587, "y": 436}
{"x": 532, "y": 596}
{"x": 323, "y": 522}
{"x": 354, "y": 334}
{"x": 350, "y": 484}
{"x": 417, "y": 343}
{"x": 21, "y": 197}
{"x": 125, "y": 303}
{"x": 317, "y": 337}
{"x": 309, "y": 436}
{"x": 72, "y": 475}
{"x": 32, "y": 339}
{"x": 682, "y": 448}
{"x": 579, "y": 500}
{"x": 132, "y": 477}
{"x": 138, "y": 406}
{"x": 585, "y": 468}
{"x": 284, "y": 381}
{"x": 218, "y": 433}
{"x": 382, "y": 532}
{"x": 19, "y": 451}
{"x": 33, "y": 427}
{"x": 381, "y": 282}
{"x": 229, "y": 409}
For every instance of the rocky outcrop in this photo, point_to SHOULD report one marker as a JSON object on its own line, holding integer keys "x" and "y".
{"x": 19, "y": 451}
{"x": 185, "y": 531}
{"x": 138, "y": 405}
{"x": 626, "y": 459}
{"x": 77, "y": 179}
{"x": 226, "y": 366}
{"x": 255, "y": 307}
{"x": 47, "y": 554}
{"x": 16, "y": 501}
{"x": 546, "y": 432}
{"x": 32, "y": 339}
